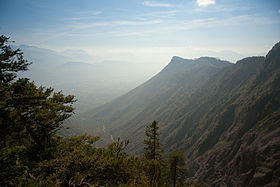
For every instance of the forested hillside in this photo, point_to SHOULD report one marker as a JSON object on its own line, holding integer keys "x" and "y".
{"x": 225, "y": 117}
{"x": 152, "y": 93}
{"x": 33, "y": 154}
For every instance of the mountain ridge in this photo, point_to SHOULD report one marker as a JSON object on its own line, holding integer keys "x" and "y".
{"x": 164, "y": 82}
{"x": 222, "y": 115}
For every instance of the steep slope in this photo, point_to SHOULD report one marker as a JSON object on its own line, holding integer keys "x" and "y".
{"x": 239, "y": 144}
{"x": 226, "y": 117}
{"x": 152, "y": 100}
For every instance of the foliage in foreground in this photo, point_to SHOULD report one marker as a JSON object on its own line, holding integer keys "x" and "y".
{"x": 31, "y": 154}
{"x": 78, "y": 162}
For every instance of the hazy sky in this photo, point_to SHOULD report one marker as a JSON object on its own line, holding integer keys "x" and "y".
{"x": 145, "y": 31}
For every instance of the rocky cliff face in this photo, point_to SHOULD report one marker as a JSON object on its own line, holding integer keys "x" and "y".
{"x": 225, "y": 117}
{"x": 242, "y": 146}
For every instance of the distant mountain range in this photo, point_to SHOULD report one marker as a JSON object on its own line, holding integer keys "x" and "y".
{"x": 75, "y": 72}
{"x": 224, "y": 116}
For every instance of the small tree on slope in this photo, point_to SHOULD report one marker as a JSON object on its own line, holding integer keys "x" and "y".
{"x": 154, "y": 153}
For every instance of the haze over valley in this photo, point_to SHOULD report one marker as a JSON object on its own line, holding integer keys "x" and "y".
{"x": 140, "y": 93}
{"x": 93, "y": 83}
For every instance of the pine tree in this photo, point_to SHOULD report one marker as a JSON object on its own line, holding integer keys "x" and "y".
{"x": 154, "y": 153}
{"x": 12, "y": 61}
{"x": 27, "y": 113}
{"x": 177, "y": 170}
{"x": 29, "y": 116}
{"x": 153, "y": 149}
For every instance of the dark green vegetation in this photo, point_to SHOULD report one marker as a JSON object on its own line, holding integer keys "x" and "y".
{"x": 154, "y": 153}
{"x": 32, "y": 154}
{"x": 177, "y": 169}
{"x": 225, "y": 117}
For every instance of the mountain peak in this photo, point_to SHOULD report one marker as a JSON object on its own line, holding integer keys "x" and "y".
{"x": 275, "y": 51}
{"x": 275, "y": 48}
{"x": 212, "y": 61}
{"x": 176, "y": 59}
{"x": 272, "y": 58}
{"x": 250, "y": 60}
{"x": 206, "y": 58}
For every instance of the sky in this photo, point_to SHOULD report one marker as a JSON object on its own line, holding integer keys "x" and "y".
{"x": 148, "y": 32}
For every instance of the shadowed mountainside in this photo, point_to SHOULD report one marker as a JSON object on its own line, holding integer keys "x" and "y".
{"x": 224, "y": 116}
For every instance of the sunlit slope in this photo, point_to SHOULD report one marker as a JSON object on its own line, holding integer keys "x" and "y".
{"x": 163, "y": 98}
{"x": 224, "y": 116}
